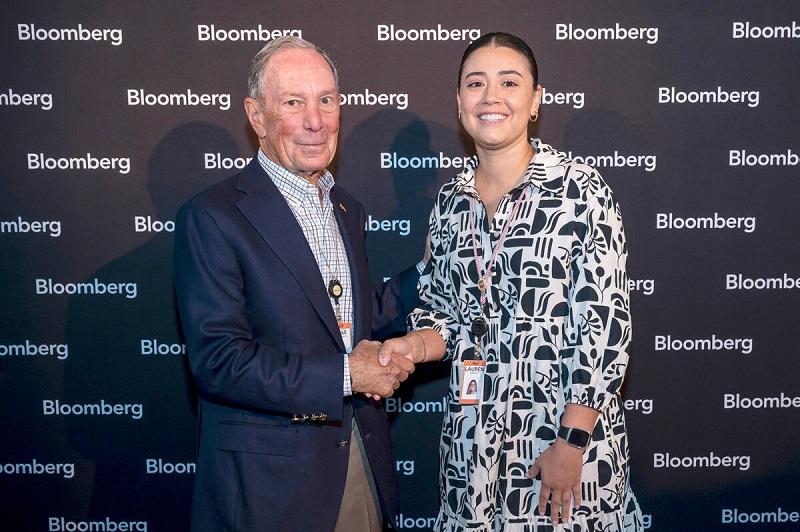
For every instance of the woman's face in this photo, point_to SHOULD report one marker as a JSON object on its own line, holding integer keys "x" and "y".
{"x": 496, "y": 97}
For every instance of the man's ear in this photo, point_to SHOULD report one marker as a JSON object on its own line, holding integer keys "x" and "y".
{"x": 255, "y": 115}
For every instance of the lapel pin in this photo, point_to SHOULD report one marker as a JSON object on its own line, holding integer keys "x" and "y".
{"x": 341, "y": 206}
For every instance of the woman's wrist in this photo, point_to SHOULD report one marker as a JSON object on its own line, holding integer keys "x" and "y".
{"x": 579, "y": 416}
{"x": 420, "y": 348}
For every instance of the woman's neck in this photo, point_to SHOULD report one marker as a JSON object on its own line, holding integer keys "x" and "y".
{"x": 501, "y": 170}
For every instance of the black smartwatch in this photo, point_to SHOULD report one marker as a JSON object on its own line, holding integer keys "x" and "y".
{"x": 577, "y": 438}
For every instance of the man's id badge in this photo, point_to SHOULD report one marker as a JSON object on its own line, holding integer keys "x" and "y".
{"x": 472, "y": 382}
{"x": 346, "y": 330}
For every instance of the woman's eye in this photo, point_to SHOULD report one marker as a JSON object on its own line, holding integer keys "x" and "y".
{"x": 474, "y": 84}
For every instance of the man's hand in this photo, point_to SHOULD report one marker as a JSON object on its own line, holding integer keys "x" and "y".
{"x": 369, "y": 376}
{"x": 561, "y": 466}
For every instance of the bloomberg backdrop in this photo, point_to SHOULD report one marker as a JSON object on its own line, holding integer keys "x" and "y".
{"x": 114, "y": 113}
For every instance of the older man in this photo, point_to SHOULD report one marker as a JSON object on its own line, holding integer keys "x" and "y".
{"x": 274, "y": 297}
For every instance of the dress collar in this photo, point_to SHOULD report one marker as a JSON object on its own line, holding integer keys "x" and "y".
{"x": 546, "y": 172}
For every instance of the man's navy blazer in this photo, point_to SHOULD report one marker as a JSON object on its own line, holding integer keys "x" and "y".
{"x": 266, "y": 354}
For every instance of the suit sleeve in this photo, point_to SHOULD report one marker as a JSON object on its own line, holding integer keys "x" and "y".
{"x": 392, "y": 302}
{"x": 228, "y": 364}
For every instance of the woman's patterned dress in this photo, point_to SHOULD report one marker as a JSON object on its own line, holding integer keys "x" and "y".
{"x": 559, "y": 331}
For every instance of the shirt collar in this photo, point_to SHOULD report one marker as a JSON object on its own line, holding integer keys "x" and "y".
{"x": 546, "y": 172}
{"x": 293, "y": 187}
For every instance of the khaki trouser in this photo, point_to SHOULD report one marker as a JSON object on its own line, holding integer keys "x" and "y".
{"x": 360, "y": 511}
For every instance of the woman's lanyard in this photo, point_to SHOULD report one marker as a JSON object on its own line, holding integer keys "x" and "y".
{"x": 479, "y": 326}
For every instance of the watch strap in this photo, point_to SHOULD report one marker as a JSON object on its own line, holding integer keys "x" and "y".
{"x": 575, "y": 437}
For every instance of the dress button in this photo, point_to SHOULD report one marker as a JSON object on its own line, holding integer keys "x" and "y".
{"x": 343, "y": 443}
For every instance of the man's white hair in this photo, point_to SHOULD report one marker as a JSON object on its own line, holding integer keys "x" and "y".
{"x": 273, "y": 47}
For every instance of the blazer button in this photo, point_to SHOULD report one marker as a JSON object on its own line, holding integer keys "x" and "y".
{"x": 343, "y": 443}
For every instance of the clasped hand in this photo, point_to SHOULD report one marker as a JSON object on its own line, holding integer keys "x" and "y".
{"x": 377, "y": 372}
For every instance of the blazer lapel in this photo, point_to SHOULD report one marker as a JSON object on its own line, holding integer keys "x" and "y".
{"x": 266, "y": 209}
{"x": 352, "y": 236}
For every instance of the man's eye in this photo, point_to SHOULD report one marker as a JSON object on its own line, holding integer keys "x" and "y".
{"x": 326, "y": 100}
{"x": 474, "y": 84}
{"x": 509, "y": 83}
{"x": 292, "y": 103}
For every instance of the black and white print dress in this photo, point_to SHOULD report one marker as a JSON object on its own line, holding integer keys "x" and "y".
{"x": 559, "y": 331}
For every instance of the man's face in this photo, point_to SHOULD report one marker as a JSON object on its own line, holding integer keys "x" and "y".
{"x": 297, "y": 117}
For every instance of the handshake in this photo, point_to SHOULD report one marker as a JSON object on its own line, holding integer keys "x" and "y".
{"x": 377, "y": 369}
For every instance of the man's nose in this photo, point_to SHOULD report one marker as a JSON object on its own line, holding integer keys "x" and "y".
{"x": 313, "y": 118}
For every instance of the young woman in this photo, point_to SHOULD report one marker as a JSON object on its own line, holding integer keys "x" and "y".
{"x": 526, "y": 291}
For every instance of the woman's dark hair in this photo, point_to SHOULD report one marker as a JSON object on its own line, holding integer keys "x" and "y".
{"x": 502, "y": 39}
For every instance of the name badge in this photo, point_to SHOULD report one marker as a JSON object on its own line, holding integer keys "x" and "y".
{"x": 472, "y": 382}
{"x": 346, "y": 330}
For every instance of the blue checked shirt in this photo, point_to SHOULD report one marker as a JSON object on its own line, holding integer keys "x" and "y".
{"x": 322, "y": 233}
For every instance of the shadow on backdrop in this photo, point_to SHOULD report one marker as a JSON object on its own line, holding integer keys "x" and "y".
{"x": 120, "y": 345}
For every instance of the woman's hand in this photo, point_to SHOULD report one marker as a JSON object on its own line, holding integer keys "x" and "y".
{"x": 560, "y": 466}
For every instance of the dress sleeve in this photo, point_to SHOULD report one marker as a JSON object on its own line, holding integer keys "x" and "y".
{"x": 434, "y": 310}
{"x": 597, "y": 335}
